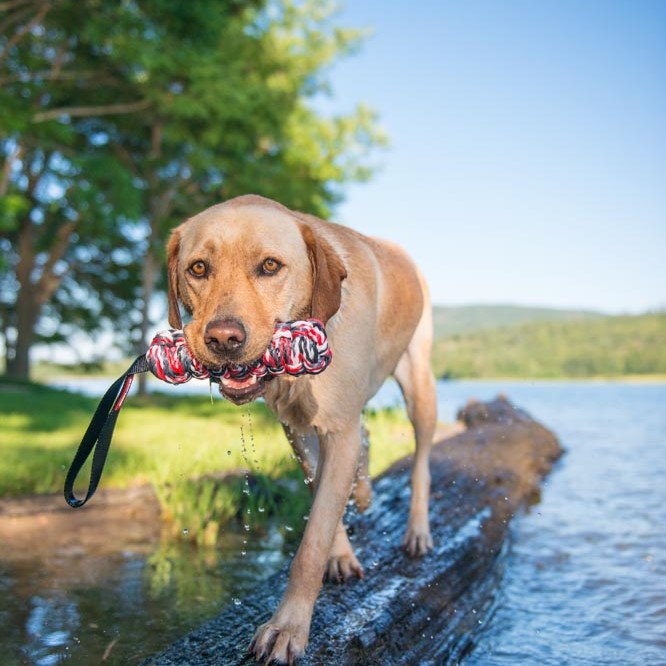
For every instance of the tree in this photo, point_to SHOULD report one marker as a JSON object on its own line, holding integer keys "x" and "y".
{"x": 125, "y": 118}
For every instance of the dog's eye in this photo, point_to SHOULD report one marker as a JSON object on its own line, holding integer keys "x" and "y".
{"x": 270, "y": 266}
{"x": 199, "y": 269}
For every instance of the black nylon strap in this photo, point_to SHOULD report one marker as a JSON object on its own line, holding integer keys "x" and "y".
{"x": 98, "y": 436}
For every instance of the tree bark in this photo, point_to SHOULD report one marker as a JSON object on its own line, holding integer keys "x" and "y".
{"x": 34, "y": 292}
{"x": 161, "y": 204}
{"x": 18, "y": 365}
{"x": 147, "y": 289}
{"x": 410, "y": 611}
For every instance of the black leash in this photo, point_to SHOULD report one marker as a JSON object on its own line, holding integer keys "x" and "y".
{"x": 99, "y": 433}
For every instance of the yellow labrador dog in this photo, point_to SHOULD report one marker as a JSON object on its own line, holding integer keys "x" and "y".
{"x": 240, "y": 267}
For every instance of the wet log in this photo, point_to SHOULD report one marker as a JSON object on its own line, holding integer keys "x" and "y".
{"x": 410, "y": 611}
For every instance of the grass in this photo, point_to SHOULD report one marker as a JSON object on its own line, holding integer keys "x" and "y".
{"x": 209, "y": 463}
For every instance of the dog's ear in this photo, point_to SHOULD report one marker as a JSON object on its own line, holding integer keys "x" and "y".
{"x": 328, "y": 272}
{"x": 173, "y": 297}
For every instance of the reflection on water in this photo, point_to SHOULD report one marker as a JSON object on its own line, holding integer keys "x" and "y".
{"x": 139, "y": 603}
{"x": 584, "y": 583}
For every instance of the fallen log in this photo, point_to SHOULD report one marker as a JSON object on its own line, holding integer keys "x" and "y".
{"x": 409, "y": 611}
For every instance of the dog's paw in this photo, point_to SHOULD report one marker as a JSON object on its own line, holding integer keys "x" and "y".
{"x": 340, "y": 568}
{"x": 417, "y": 541}
{"x": 278, "y": 645}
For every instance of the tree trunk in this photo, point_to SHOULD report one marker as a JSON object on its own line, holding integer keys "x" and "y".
{"x": 159, "y": 207}
{"x": 409, "y": 611}
{"x": 34, "y": 292}
{"x": 147, "y": 290}
{"x": 27, "y": 310}
{"x": 18, "y": 365}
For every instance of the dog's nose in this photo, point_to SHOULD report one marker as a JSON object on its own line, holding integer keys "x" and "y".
{"x": 225, "y": 335}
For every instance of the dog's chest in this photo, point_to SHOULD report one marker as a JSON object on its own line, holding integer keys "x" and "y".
{"x": 293, "y": 402}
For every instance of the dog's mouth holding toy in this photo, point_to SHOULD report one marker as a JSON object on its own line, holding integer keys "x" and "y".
{"x": 241, "y": 392}
{"x": 296, "y": 348}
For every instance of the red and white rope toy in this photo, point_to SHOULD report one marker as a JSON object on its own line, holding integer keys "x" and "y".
{"x": 296, "y": 348}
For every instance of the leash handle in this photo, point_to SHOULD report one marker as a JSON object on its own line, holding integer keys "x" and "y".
{"x": 98, "y": 436}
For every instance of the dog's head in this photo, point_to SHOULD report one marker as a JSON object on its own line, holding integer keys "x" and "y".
{"x": 239, "y": 268}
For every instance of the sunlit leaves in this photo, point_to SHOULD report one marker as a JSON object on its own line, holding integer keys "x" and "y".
{"x": 129, "y": 116}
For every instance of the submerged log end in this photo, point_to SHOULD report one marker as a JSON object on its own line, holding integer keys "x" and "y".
{"x": 407, "y": 611}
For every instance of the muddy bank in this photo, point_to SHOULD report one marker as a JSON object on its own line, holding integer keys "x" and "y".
{"x": 76, "y": 545}
{"x": 406, "y": 611}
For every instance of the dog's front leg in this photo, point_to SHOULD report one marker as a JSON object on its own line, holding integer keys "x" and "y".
{"x": 284, "y": 637}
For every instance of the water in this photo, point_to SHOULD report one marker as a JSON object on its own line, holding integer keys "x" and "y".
{"x": 121, "y": 607}
{"x": 585, "y": 579}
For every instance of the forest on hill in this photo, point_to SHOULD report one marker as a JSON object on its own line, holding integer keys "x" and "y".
{"x": 449, "y": 320}
{"x": 591, "y": 345}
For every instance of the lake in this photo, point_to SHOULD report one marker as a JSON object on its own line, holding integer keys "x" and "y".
{"x": 585, "y": 578}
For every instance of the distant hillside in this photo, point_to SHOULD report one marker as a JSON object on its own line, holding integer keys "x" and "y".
{"x": 607, "y": 346}
{"x": 451, "y": 320}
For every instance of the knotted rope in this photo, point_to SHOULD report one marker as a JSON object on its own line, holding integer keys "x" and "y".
{"x": 296, "y": 348}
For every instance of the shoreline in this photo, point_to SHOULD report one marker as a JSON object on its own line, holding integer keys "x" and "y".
{"x": 596, "y": 379}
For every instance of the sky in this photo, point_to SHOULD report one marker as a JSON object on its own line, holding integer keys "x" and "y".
{"x": 527, "y": 159}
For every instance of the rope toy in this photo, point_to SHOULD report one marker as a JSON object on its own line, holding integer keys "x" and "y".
{"x": 296, "y": 348}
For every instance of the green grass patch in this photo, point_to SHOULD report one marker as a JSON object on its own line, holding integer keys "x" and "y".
{"x": 209, "y": 463}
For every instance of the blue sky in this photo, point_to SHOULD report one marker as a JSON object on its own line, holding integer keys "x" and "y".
{"x": 528, "y": 146}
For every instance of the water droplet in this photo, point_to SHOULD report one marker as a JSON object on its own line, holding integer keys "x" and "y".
{"x": 243, "y": 553}
{"x": 261, "y": 509}
{"x": 237, "y": 602}
{"x": 247, "y": 527}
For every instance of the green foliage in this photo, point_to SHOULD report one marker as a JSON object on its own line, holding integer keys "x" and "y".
{"x": 455, "y": 320}
{"x": 606, "y": 347}
{"x": 198, "y": 509}
{"x": 121, "y": 119}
